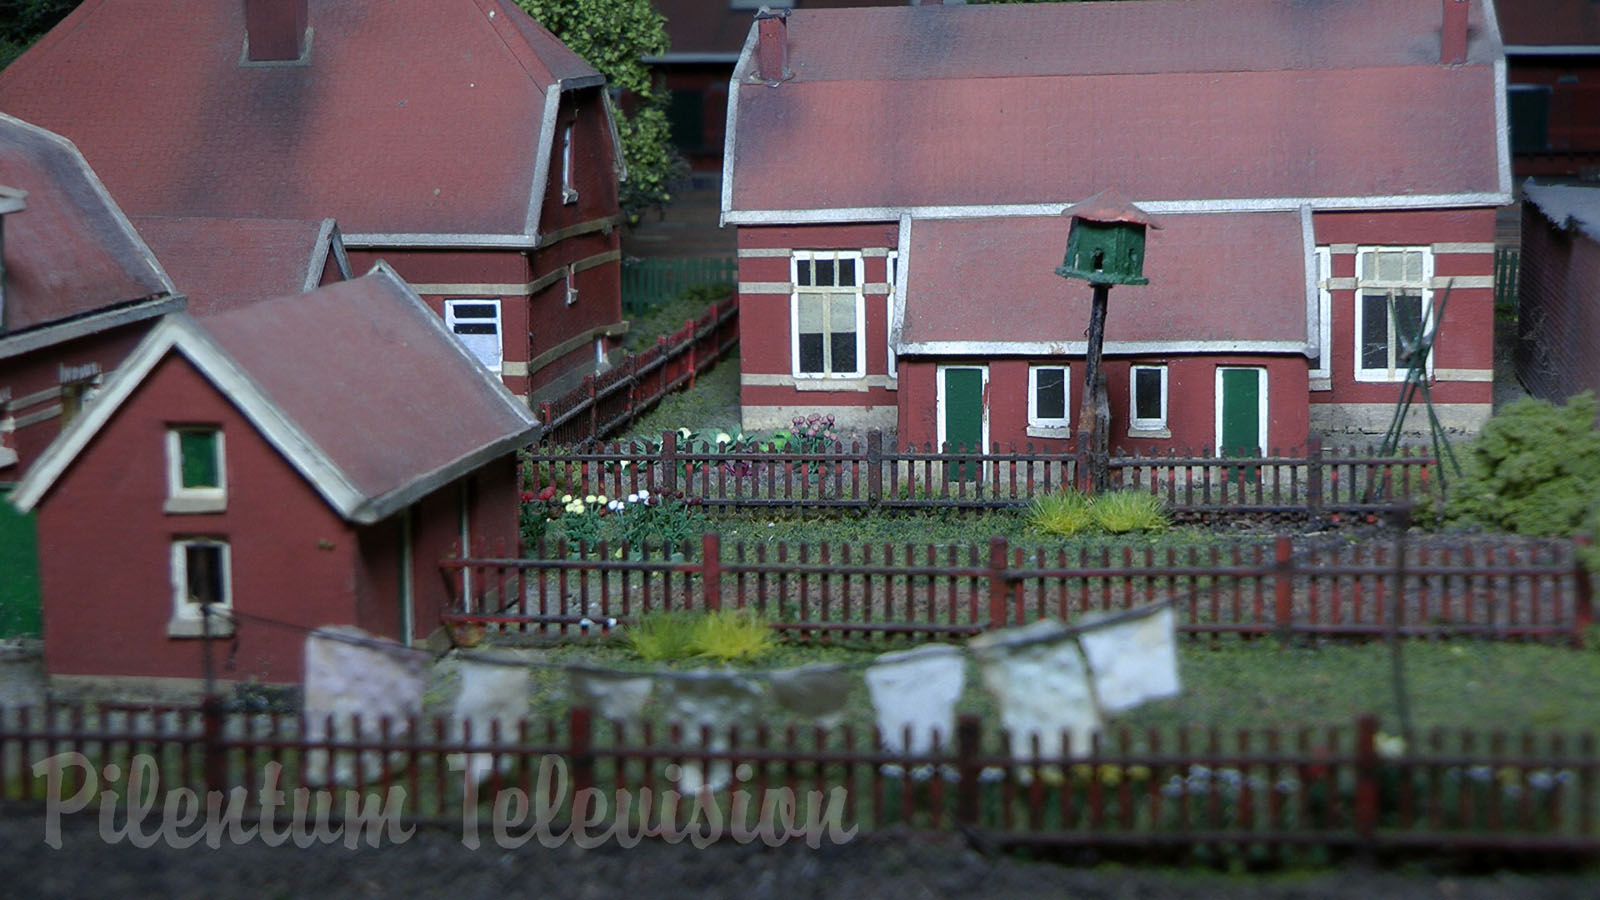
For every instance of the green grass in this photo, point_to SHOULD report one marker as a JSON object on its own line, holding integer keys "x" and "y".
{"x": 664, "y": 636}
{"x": 666, "y": 318}
{"x": 728, "y": 635}
{"x": 1065, "y": 513}
{"x": 713, "y": 405}
{"x": 1122, "y": 512}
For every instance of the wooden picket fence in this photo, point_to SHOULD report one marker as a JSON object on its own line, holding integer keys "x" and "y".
{"x": 649, "y": 282}
{"x": 871, "y": 475}
{"x": 1149, "y": 793}
{"x": 1507, "y": 267}
{"x": 611, "y": 401}
{"x": 1493, "y": 587}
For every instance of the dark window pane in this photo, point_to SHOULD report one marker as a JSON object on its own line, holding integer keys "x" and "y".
{"x": 1050, "y": 394}
{"x": 811, "y": 353}
{"x": 475, "y": 328}
{"x": 802, "y": 272}
{"x": 1147, "y": 393}
{"x": 203, "y": 569}
{"x": 473, "y": 310}
{"x": 198, "y": 454}
{"x": 1407, "y": 324}
{"x": 847, "y": 273}
{"x": 824, "y": 271}
{"x": 1374, "y": 331}
{"x": 844, "y": 351}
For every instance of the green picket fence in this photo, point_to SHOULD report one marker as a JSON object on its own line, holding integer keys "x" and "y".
{"x": 1507, "y": 264}
{"x": 647, "y": 282}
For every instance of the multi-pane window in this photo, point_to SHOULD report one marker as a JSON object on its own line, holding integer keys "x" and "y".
{"x": 1047, "y": 396}
{"x": 200, "y": 576}
{"x": 196, "y": 474}
{"x": 1147, "y": 389}
{"x": 1392, "y": 309}
{"x": 476, "y": 324}
{"x": 827, "y": 311}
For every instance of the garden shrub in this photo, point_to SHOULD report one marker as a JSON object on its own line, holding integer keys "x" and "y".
{"x": 641, "y": 519}
{"x": 729, "y": 634}
{"x": 1535, "y": 470}
{"x": 1065, "y": 513}
{"x": 1120, "y": 512}
{"x": 664, "y": 636}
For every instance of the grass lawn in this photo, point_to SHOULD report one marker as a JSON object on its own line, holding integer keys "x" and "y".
{"x": 713, "y": 404}
{"x": 665, "y": 318}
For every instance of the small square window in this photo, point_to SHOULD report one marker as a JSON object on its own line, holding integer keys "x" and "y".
{"x": 1048, "y": 396}
{"x": 476, "y": 324}
{"x": 1147, "y": 388}
{"x": 201, "y": 580}
{"x": 196, "y": 470}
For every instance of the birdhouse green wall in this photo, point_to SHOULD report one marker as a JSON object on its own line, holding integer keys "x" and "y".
{"x": 1105, "y": 252}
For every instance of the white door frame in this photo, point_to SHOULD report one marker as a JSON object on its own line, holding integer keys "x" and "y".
{"x": 1261, "y": 416}
{"x": 983, "y": 400}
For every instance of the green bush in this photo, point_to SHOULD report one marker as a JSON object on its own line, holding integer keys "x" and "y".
{"x": 1535, "y": 470}
{"x": 1120, "y": 512}
{"x": 729, "y": 634}
{"x": 1066, "y": 513}
{"x": 664, "y": 636}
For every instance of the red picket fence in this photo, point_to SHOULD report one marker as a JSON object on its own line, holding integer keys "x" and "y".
{"x": 871, "y": 476}
{"x": 1495, "y": 587}
{"x": 613, "y": 400}
{"x": 1149, "y": 792}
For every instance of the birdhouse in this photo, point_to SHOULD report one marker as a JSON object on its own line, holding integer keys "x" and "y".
{"x": 1105, "y": 244}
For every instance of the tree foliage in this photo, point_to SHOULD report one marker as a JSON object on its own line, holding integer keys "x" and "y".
{"x": 24, "y": 21}
{"x": 614, "y": 36}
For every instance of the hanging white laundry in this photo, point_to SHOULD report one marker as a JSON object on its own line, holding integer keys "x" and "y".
{"x": 350, "y": 673}
{"x": 917, "y": 689}
{"x": 617, "y": 696}
{"x": 1042, "y": 682}
{"x": 713, "y": 701}
{"x": 816, "y": 691}
{"x": 489, "y": 692}
{"x": 1134, "y": 659}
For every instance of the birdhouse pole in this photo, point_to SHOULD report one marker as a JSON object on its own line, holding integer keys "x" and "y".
{"x": 1105, "y": 246}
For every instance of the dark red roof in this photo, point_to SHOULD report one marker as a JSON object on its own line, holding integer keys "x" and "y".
{"x": 1549, "y": 23}
{"x": 1169, "y": 101}
{"x": 326, "y": 360}
{"x": 222, "y": 263}
{"x": 1214, "y": 277}
{"x": 411, "y": 116}
{"x": 69, "y": 251}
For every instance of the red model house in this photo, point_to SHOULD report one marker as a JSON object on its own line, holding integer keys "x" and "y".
{"x": 220, "y": 264}
{"x": 1319, "y": 173}
{"x": 456, "y": 139}
{"x": 1553, "y": 83}
{"x": 275, "y": 461}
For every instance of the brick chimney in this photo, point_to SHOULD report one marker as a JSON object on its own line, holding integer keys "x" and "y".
{"x": 1453, "y": 40}
{"x": 275, "y": 30}
{"x": 772, "y": 44}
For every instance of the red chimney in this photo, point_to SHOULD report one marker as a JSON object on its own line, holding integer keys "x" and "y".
{"x": 1453, "y": 43}
{"x": 772, "y": 44}
{"x": 275, "y": 30}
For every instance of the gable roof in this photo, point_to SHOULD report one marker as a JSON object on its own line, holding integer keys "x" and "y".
{"x": 223, "y": 263}
{"x": 1567, "y": 206}
{"x": 988, "y": 287}
{"x": 313, "y": 372}
{"x": 70, "y": 253}
{"x": 1550, "y": 27}
{"x": 412, "y": 121}
{"x": 1199, "y": 104}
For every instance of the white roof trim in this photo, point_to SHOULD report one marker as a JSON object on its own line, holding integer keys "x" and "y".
{"x": 1552, "y": 49}
{"x": 1154, "y": 207}
{"x": 726, "y": 56}
{"x": 380, "y": 240}
{"x": 541, "y": 160}
{"x": 1078, "y": 348}
{"x": 731, "y": 129}
{"x": 319, "y": 256}
{"x": 618, "y": 162}
{"x": 902, "y": 268}
{"x": 1308, "y": 245}
{"x": 179, "y": 333}
{"x": 12, "y": 199}
{"x": 18, "y": 343}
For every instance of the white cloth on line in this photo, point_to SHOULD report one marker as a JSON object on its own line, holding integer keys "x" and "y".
{"x": 1041, "y": 680}
{"x": 817, "y": 692}
{"x": 618, "y": 696}
{"x": 350, "y": 672}
{"x": 917, "y": 689}
{"x": 713, "y": 701}
{"x": 1133, "y": 660}
{"x": 489, "y": 692}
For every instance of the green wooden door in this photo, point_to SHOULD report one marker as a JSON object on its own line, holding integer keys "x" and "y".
{"x": 1240, "y": 395}
{"x": 19, "y": 571}
{"x": 961, "y": 416}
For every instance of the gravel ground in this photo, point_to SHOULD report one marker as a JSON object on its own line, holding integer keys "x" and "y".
{"x": 435, "y": 863}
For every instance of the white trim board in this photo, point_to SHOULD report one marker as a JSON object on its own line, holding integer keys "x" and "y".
{"x": 1079, "y": 348}
{"x": 47, "y": 335}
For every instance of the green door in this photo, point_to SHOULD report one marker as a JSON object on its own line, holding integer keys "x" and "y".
{"x": 19, "y": 572}
{"x": 1240, "y": 398}
{"x": 961, "y": 418}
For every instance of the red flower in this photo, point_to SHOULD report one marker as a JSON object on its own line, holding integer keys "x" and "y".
{"x": 527, "y": 496}
{"x": 548, "y": 493}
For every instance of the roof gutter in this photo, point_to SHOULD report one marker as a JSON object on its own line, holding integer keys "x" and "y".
{"x": 56, "y": 332}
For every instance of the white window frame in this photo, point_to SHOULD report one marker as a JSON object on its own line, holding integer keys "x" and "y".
{"x": 8, "y": 428}
{"x": 1321, "y": 377}
{"x": 1363, "y": 284}
{"x": 857, "y": 292}
{"x": 182, "y": 499}
{"x": 891, "y": 361}
{"x": 187, "y": 618}
{"x": 1142, "y": 427}
{"x": 1034, "y": 419}
{"x": 569, "y": 193}
{"x": 451, "y": 320}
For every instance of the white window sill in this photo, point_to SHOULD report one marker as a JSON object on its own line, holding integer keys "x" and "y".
{"x": 185, "y": 627}
{"x": 8, "y": 457}
{"x": 833, "y": 383}
{"x": 1149, "y": 433}
{"x": 1382, "y": 377}
{"x": 1321, "y": 383}
{"x": 189, "y": 504}
{"x": 1061, "y": 432}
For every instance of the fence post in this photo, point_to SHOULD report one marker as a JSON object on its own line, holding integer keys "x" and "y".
{"x": 999, "y": 583}
{"x": 581, "y": 725}
{"x": 711, "y": 571}
{"x": 594, "y": 408}
{"x": 216, "y": 760}
{"x": 1583, "y": 583}
{"x": 968, "y": 769}
{"x": 1283, "y": 584}
{"x": 1314, "y": 474}
{"x": 544, "y": 413}
{"x": 874, "y": 468}
{"x": 633, "y": 386}
{"x": 694, "y": 344}
{"x": 669, "y": 460}
{"x": 1366, "y": 778}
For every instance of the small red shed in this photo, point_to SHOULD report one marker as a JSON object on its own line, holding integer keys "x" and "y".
{"x": 296, "y": 462}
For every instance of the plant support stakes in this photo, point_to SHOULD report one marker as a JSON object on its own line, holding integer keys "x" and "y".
{"x": 1105, "y": 246}
{"x": 1417, "y": 348}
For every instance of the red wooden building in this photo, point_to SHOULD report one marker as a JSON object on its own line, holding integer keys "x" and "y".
{"x": 1320, "y": 172}
{"x": 1558, "y": 313}
{"x": 271, "y": 460}
{"x": 455, "y": 139}
{"x": 1553, "y": 85}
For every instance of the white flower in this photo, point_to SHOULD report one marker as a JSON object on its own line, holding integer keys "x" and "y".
{"x": 684, "y": 432}
{"x": 722, "y": 437}
{"x": 1389, "y": 746}
{"x": 589, "y": 499}
{"x": 644, "y": 494}
{"x": 614, "y": 505}
{"x": 566, "y": 498}
{"x": 600, "y": 499}
{"x": 575, "y": 507}
{"x": 633, "y": 498}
